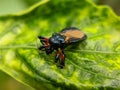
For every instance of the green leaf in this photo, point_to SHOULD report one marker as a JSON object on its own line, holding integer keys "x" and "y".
{"x": 92, "y": 65}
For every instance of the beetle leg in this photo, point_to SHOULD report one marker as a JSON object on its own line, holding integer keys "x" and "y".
{"x": 43, "y": 40}
{"x": 62, "y": 60}
{"x": 57, "y": 56}
{"x": 41, "y": 48}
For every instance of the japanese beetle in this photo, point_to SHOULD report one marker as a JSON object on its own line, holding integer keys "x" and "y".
{"x": 59, "y": 41}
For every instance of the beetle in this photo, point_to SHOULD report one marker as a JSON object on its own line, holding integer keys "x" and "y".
{"x": 59, "y": 41}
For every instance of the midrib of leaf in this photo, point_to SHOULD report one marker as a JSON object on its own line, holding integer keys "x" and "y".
{"x": 25, "y": 46}
{"x": 97, "y": 52}
{"x": 18, "y": 47}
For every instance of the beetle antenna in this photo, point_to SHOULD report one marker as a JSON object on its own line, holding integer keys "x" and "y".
{"x": 41, "y": 37}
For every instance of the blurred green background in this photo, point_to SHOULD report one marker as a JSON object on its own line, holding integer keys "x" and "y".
{"x": 15, "y": 6}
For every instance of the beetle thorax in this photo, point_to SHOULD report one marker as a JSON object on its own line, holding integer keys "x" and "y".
{"x": 57, "y": 41}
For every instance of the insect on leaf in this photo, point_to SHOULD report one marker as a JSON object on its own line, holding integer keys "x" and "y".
{"x": 91, "y": 65}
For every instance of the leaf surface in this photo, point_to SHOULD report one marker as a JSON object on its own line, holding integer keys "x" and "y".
{"x": 91, "y": 65}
